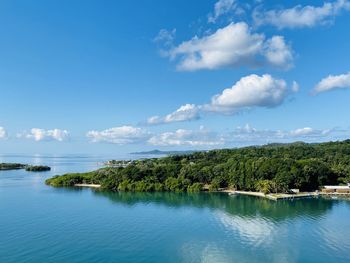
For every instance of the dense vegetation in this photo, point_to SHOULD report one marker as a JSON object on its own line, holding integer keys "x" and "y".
{"x": 37, "y": 168}
{"x": 270, "y": 168}
{"x": 11, "y": 166}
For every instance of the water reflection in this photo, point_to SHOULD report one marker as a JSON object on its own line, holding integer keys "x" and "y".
{"x": 243, "y": 206}
{"x": 248, "y": 223}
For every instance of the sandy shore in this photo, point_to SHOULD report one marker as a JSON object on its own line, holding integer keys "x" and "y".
{"x": 88, "y": 185}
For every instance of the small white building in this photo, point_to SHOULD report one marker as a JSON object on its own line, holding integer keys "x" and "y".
{"x": 338, "y": 187}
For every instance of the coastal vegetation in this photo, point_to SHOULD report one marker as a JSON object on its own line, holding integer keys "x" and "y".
{"x": 270, "y": 168}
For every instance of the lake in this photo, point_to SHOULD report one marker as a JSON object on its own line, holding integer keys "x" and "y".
{"x": 39, "y": 223}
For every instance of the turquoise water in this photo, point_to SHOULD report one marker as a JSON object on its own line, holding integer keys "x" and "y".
{"x": 43, "y": 224}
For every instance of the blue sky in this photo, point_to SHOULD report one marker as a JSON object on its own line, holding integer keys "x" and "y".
{"x": 120, "y": 76}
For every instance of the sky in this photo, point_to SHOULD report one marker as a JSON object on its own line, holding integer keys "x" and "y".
{"x": 122, "y": 76}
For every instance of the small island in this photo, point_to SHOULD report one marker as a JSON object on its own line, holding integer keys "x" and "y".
{"x": 37, "y": 168}
{"x": 11, "y": 166}
{"x": 28, "y": 168}
{"x": 274, "y": 168}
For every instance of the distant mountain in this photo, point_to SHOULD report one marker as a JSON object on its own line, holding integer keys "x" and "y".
{"x": 158, "y": 152}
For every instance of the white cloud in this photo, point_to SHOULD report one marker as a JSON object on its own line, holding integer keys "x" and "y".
{"x": 202, "y": 137}
{"x": 3, "y": 133}
{"x": 232, "y": 46}
{"x": 251, "y": 91}
{"x": 301, "y": 16}
{"x": 247, "y": 129}
{"x": 119, "y": 135}
{"x": 221, "y": 7}
{"x": 333, "y": 82}
{"x": 277, "y": 52}
{"x": 242, "y": 136}
{"x": 45, "y": 135}
{"x": 307, "y": 131}
{"x": 248, "y": 135}
{"x": 302, "y": 131}
{"x": 165, "y": 37}
{"x": 186, "y": 112}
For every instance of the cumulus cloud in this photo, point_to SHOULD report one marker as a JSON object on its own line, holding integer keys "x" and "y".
{"x": 119, "y": 135}
{"x": 277, "y": 52}
{"x": 180, "y": 137}
{"x": 251, "y": 91}
{"x": 184, "y": 113}
{"x": 45, "y": 135}
{"x": 232, "y": 46}
{"x": 221, "y": 7}
{"x": 3, "y": 133}
{"x": 301, "y": 16}
{"x": 333, "y": 82}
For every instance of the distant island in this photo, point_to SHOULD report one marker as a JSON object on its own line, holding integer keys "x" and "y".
{"x": 37, "y": 168}
{"x": 29, "y": 168}
{"x": 12, "y": 166}
{"x": 273, "y": 168}
{"x": 158, "y": 152}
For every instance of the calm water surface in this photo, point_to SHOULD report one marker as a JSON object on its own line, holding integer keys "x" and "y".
{"x": 44, "y": 224}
